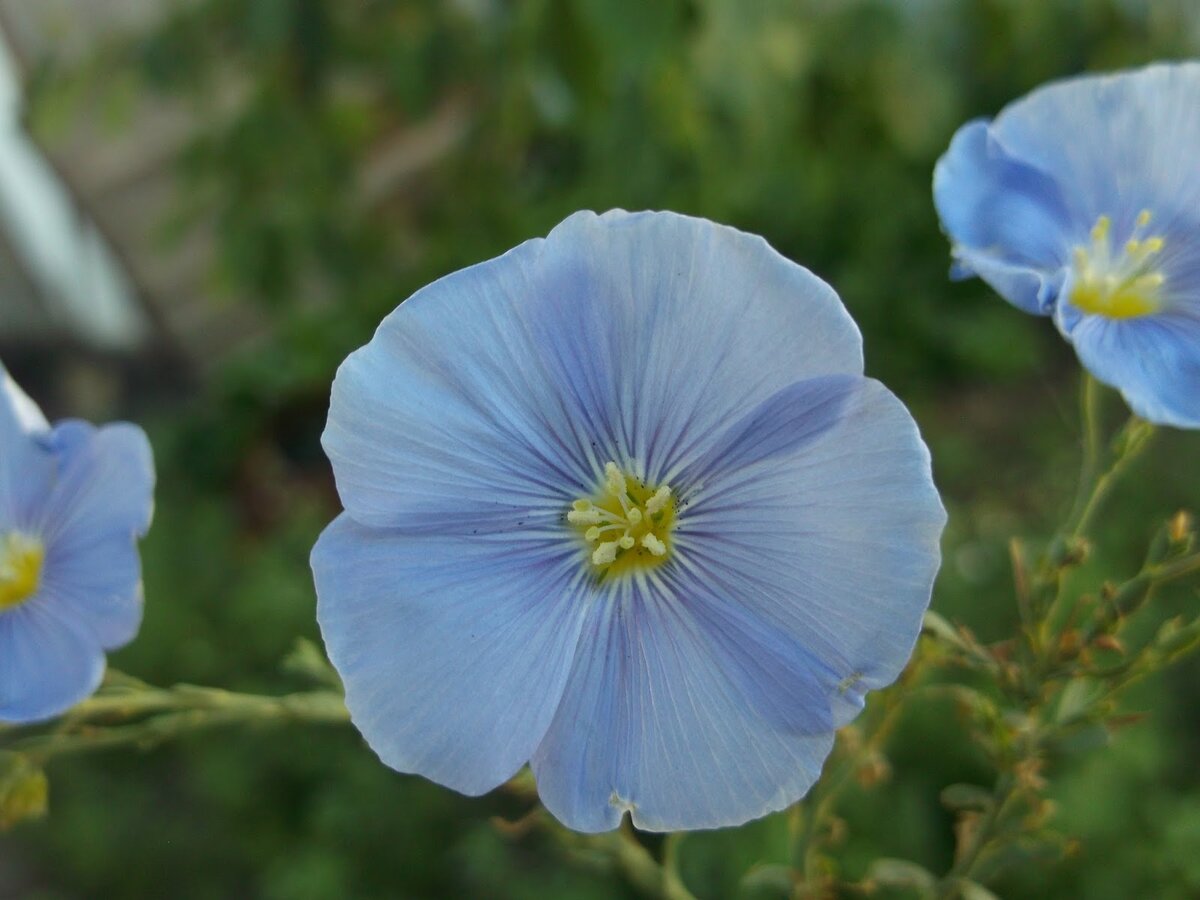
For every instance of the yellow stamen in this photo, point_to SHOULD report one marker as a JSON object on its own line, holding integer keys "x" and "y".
{"x": 21, "y": 558}
{"x": 626, "y": 524}
{"x": 1118, "y": 286}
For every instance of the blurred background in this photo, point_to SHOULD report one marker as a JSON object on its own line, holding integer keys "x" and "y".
{"x": 206, "y": 204}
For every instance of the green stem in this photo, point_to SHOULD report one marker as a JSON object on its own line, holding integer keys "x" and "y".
{"x": 163, "y": 714}
{"x": 964, "y": 867}
{"x": 825, "y": 795}
{"x": 641, "y": 869}
{"x": 1105, "y": 483}
{"x": 1093, "y": 440}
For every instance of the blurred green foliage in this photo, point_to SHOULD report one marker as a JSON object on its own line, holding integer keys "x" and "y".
{"x": 354, "y": 151}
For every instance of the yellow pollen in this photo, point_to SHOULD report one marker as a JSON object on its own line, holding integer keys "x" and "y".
{"x": 1118, "y": 285}
{"x": 626, "y": 525}
{"x": 21, "y": 560}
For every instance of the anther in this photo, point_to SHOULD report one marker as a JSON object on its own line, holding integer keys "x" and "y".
{"x": 605, "y": 554}
{"x": 660, "y": 499}
{"x": 654, "y": 545}
{"x": 614, "y": 480}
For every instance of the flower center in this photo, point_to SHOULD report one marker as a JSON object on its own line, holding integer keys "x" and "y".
{"x": 1119, "y": 284}
{"x": 627, "y": 524}
{"x": 21, "y": 559}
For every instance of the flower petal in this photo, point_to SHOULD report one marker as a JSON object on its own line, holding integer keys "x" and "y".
{"x": 678, "y": 718}
{"x": 1154, "y": 361}
{"x": 96, "y": 581}
{"x": 454, "y": 652}
{"x": 523, "y": 375}
{"x": 1007, "y": 219}
{"x": 99, "y": 504}
{"x": 47, "y": 664}
{"x": 1115, "y": 144}
{"x": 104, "y": 486}
{"x": 835, "y": 542}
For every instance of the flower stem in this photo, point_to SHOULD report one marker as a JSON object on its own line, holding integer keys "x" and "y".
{"x": 641, "y": 869}
{"x": 1093, "y": 439}
{"x": 128, "y": 713}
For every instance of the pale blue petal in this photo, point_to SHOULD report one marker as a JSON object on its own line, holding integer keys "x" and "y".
{"x": 680, "y": 715}
{"x": 1154, "y": 361}
{"x": 26, "y": 467}
{"x": 104, "y": 484}
{"x": 834, "y": 542}
{"x": 1115, "y": 144}
{"x": 47, "y": 663}
{"x": 495, "y": 395}
{"x": 96, "y": 581}
{"x": 100, "y": 503}
{"x": 1007, "y": 220}
{"x": 698, "y": 322}
{"x": 454, "y": 652}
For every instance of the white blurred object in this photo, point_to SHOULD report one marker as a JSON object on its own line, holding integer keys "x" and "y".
{"x": 70, "y": 275}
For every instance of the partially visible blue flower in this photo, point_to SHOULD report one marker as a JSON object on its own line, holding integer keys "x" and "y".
{"x": 620, "y": 503}
{"x": 74, "y": 499}
{"x": 1081, "y": 201}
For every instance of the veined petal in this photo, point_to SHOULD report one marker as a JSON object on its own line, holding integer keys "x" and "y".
{"x": 1007, "y": 219}
{"x": 1115, "y": 144}
{"x": 702, "y": 322}
{"x": 95, "y": 580}
{"x": 676, "y": 720}
{"x": 1154, "y": 361}
{"x": 835, "y": 541}
{"x": 47, "y": 663}
{"x": 525, "y": 374}
{"x": 454, "y": 652}
{"x": 104, "y": 484}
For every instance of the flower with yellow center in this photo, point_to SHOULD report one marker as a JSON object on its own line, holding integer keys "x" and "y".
{"x": 1081, "y": 202}
{"x": 74, "y": 499}
{"x": 621, "y": 505}
{"x": 627, "y": 525}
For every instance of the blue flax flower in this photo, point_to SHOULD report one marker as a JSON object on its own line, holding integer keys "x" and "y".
{"x": 1081, "y": 201}
{"x": 73, "y": 501}
{"x": 621, "y": 504}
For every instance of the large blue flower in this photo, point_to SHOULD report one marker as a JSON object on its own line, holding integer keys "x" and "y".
{"x": 1081, "y": 201}
{"x": 73, "y": 501}
{"x": 620, "y": 503}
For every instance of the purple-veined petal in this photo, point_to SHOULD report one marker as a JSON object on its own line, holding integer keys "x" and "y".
{"x": 675, "y": 719}
{"x": 520, "y": 377}
{"x": 834, "y": 540}
{"x": 1115, "y": 144}
{"x": 454, "y": 651}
